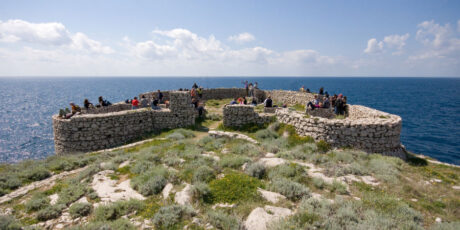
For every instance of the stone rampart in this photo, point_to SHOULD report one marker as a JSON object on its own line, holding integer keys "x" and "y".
{"x": 90, "y": 132}
{"x": 240, "y": 115}
{"x": 117, "y": 107}
{"x": 366, "y": 129}
{"x": 217, "y": 93}
{"x": 289, "y": 97}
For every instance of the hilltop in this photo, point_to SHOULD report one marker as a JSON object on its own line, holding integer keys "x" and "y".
{"x": 210, "y": 176}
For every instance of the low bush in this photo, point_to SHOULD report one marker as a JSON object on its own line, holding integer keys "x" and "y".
{"x": 71, "y": 193}
{"x": 339, "y": 187}
{"x": 119, "y": 224}
{"x": 266, "y": 134}
{"x": 80, "y": 209}
{"x": 256, "y": 170}
{"x": 232, "y": 161}
{"x": 318, "y": 182}
{"x": 245, "y": 149}
{"x": 180, "y": 134}
{"x": 322, "y": 146}
{"x": 290, "y": 189}
{"x": 140, "y": 167}
{"x": 169, "y": 217}
{"x": 50, "y": 212}
{"x": 152, "y": 186}
{"x": 289, "y": 170}
{"x": 37, "y": 202}
{"x": 9, "y": 181}
{"x": 172, "y": 161}
{"x": 446, "y": 226}
{"x": 35, "y": 173}
{"x": 201, "y": 192}
{"x": 234, "y": 187}
{"x": 115, "y": 210}
{"x": 9, "y": 223}
{"x": 203, "y": 174}
{"x": 385, "y": 168}
{"x": 221, "y": 220}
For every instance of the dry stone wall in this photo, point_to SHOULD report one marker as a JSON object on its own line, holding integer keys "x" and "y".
{"x": 217, "y": 93}
{"x": 90, "y": 132}
{"x": 121, "y": 106}
{"x": 366, "y": 129}
{"x": 290, "y": 97}
{"x": 240, "y": 115}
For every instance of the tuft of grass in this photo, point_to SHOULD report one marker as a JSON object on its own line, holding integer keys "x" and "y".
{"x": 117, "y": 209}
{"x": 256, "y": 170}
{"x": 322, "y": 146}
{"x": 233, "y": 161}
{"x": 338, "y": 187}
{"x": 341, "y": 117}
{"x": 37, "y": 202}
{"x": 9, "y": 223}
{"x": 50, "y": 212}
{"x": 299, "y": 107}
{"x": 201, "y": 192}
{"x": 234, "y": 187}
{"x": 221, "y": 220}
{"x": 203, "y": 174}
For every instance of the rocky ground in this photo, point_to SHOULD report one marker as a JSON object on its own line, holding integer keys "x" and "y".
{"x": 210, "y": 177}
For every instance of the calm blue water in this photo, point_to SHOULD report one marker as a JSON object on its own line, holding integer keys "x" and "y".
{"x": 430, "y": 107}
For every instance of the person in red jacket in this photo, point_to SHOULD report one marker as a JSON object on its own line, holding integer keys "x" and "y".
{"x": 135, "y": 103}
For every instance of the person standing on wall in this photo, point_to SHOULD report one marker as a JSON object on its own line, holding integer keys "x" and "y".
{"x": 135, "y": 103}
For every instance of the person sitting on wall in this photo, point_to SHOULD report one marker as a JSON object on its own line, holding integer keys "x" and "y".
{"x": 155, "y": 104}
{"x": 302, "y": 89}
{"x": 195, "y": 86}
{"x": 135, "y": 103}
{"x": 313, "y": 104}
{"x": 256, "y": 85}
{"x": 87, "y": 104}
{"x": 160, "y": 96}
{"x": 326, "y": 94}
{"x": 339, "y": 105}
{"x": 75, "y": 110}
{"x": 144, "y": 102}
{"x": 254, "y": 102}
{"x": 308, "y": 90}
{"x": 245, "y": 102}
{"x": 234, "y": 101}
{"x": 268, "y": 102}
{"x": 103, "y": 102}
{"x": 326, "y": 103}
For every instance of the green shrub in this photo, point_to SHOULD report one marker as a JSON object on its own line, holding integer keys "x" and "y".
{"x": 115, "y": 210}
{"x": 9, "y": 182}
{"x": 119, "y": 224}
{"x": 221, "y": 220}
{"x": 169, "y": 217}
{"x": 446, "y": 226}
{"x": 203, "y": 174}
{"x": 289, "y": 170}
{"x": 266, "y": 134}
{"x": 37, "y": 202}
{"x": 172, "y": 161}
{"x": 385, "y": 168}
{"x": 50, "y": 212}
{"x": 339, "y": 187}
{"x": 140, "y": 167}
{"x": 80, "y": 209}
{"x": 201, "y": 192}
{"x": 290, "y": 189}
{"x": 210, "y": 143}
{"x": 318, "y": 182}
{"x": 256, "y": 170}
{"x": 152, "y": 186}
{"x": 322, "y": 146}
{"x": 246, "y": 149}
{"x": 234, "y": 187}
{"x": 72, "y": 193}
{"x": 180, "y": 134}
{"x": 35, "y": 173}
{"x": 9, "y": 223}
{"x": 232, "y": 161}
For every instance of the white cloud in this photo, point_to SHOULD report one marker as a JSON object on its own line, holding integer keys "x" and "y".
{"x": 458, "y": 25}
{"x": 439, "y": 42}
{"x": 373, "y": 46}
{"x": 397, "y": 41}
{"x": 48, "y": 34}
{"x": 51, "y": 33}
{"x": 242, "y": 38}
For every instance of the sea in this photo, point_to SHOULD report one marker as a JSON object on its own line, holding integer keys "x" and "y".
{"x": 429, "y": 107}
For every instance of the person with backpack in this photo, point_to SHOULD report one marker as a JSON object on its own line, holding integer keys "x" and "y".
{"x": 135, "y": 103}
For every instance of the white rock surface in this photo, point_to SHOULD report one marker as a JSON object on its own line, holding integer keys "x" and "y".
{"x": 270, "y": 155}
{"x": 82, "y": 200}
{"x": 272, "y": 162}
{"x": 456, "y": 187}
{"x": 109, "y": 191}
{"x": 167, "y": 190}
{"x": 53, "y": 198}
{"x": 438, "y": 219}
{"x": 260, "y": 218}
{"x": 183, "y": 197}
{"x": 271, "y": 196}
{"x": 214, "y": 133}
{"x": 126, "y": 163}
{"x": 225, "y": 205}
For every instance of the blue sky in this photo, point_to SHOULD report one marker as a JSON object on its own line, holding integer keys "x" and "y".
{"x": 227, "y": 38}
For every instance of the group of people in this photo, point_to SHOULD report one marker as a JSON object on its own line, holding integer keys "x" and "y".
{"x": 75, "y": 109}
{"x": 250, "y": 88}
{"x": 196, "y": 91}
{"x": 243, "y": 101}
{"x": 145, "y": 103}
{"x": 338, "y": 102}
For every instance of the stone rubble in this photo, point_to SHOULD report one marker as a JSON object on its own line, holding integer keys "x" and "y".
{"x": 184, "y": 197}
{"x": 261, "y": 218}
{"x": 110, "y": 191}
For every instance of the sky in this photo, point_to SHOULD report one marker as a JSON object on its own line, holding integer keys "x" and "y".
{"x": 230, "y": 38}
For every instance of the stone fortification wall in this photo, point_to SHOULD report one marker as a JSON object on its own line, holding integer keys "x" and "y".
{"x": 217, "y": 93}
{"x": 90, "y": 132}
{"x": 240, "y": 115}
{"x": 289, "y": 97}
{"x": 117, "y": 107}
{"x": 365, "y": 128}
